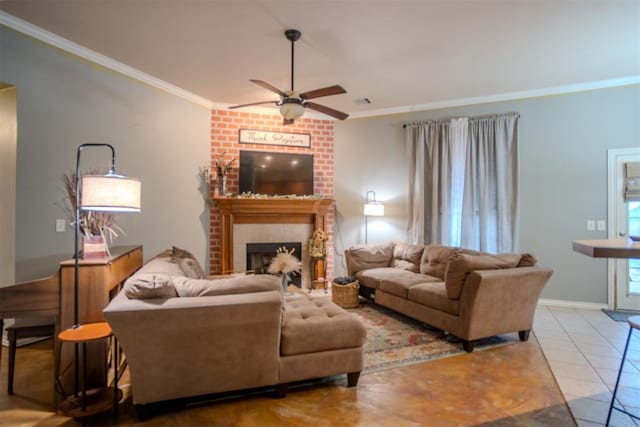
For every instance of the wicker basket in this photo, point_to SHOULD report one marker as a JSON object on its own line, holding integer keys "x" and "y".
{"x": 346, "y": 296}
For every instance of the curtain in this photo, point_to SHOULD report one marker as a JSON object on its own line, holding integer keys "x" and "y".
{"x": 463, "y": 182}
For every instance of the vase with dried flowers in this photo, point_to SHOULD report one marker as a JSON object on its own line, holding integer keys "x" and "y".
{"x": 97, "y": 228}
{"x": 223, "y": 167}
{"x": 284, "y": 264}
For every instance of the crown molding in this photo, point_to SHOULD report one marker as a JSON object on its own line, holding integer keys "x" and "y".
{"x": 45, "y": 36}
{"x": 38, "y": 33}
{"x": 510, "y": 96}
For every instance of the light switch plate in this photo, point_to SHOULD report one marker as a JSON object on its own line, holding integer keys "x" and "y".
{"x": 591, "y": 225}
{"x": 601, "y": 225}
{"x": 60, "y": 225}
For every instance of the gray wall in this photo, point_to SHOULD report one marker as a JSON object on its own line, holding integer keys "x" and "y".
{"x": 8, "y": 148}
{"x": 161, "y": 139}
{"x": 563, "y": 142}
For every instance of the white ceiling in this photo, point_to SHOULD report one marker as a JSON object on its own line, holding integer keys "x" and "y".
{"x": 403, "y": 55}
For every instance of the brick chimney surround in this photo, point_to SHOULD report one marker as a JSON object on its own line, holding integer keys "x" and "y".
{"x": 236, "y": 221}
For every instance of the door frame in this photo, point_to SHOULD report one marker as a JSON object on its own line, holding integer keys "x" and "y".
{"x": 614, "y": 186}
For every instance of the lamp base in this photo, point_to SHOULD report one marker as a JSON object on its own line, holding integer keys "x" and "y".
{"x": 97, "y": 400}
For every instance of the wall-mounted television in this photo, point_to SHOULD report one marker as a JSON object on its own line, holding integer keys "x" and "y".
{"x": 276, "y": 173}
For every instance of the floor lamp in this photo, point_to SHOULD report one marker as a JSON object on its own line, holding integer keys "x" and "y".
{"x": 105, "y": 193}
{"x": 371, "y": 208}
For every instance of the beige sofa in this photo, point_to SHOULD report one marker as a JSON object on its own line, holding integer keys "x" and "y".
{"x": 468, "y": 294}
{"x": 188, "y": 336}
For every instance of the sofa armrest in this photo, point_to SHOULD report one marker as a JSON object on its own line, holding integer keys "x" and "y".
{"x": 179, "y": 347}
{"x": 347, "y": 260}
{"x": 499, "y": 301}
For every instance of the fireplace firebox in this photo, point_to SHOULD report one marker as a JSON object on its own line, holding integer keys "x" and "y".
{"x": 259, "y": 256}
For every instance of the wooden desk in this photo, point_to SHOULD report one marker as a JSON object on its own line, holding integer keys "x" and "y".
{"x": 608, "y": 248}
{"x": 98, "y": 281}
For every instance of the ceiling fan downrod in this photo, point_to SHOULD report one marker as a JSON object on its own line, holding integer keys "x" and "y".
{"x": 292, "y": 36}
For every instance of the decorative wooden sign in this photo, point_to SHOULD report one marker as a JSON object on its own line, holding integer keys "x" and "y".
{"x": 248, "y": 136}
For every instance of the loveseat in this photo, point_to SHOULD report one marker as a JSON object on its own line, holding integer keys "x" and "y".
{"x": 468, "y": 294}
{"x": 184, "y": 334}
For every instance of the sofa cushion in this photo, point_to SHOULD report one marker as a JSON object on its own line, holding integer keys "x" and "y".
{"x": 370, "y": 256}
{"x": 188, "y": 287}
{"x": 162, "y": 265}
{"x": 434, "y": 295}
{"x": 407, "y": 257}
{"x": 153, "y": 285}
{"x": 399, "y": 284}
{"x": 434, "y": 260}
{"x": 371, "y": 278}
{"x": 315, "y": 324}
{"x": 461, "y": 264}
{"x": 436, "y": 257}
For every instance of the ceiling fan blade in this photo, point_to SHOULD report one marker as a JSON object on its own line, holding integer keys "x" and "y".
{"x": 326, "y": 110}
{"x": 325, "y": 91}
{"x": 268, "y": 86}
{"x": 252, "y": 103}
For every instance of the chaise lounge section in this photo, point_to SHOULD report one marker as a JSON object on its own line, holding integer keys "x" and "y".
{"x": 468, "y": 294}
{"x": 189, "y": 336}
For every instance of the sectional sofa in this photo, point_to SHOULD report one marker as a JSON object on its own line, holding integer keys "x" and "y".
{"x": 186, "y": 335}
{"x": 469, "y": 294}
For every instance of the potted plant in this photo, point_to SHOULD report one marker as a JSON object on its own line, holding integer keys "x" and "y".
{"x": 284, "y": 264}
{"x": 96, "y": 228}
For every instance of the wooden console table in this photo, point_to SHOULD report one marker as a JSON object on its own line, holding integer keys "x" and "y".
{"x": 99, "y": 280}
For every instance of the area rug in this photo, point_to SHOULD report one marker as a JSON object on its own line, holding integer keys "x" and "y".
{"x": 620, "y": 315}
{"x": 394, "y": 340}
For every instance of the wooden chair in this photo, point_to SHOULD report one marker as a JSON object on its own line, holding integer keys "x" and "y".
{"x": 30, "y": 327}
{"x": 34, "y": 305}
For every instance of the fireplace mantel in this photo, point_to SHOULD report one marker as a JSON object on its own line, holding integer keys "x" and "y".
{"x": 272, "y": 210}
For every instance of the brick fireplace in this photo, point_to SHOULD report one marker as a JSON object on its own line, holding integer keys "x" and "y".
{"x": 277, "y": 224}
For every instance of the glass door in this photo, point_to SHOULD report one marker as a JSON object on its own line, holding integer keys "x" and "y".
{"x": 633, "y": 269}
{"x": 624, "y": 220}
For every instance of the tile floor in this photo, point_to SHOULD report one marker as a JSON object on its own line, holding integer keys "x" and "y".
{"x": 584, "y": 349}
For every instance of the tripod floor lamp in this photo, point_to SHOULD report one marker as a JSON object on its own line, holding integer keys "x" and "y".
{"x": 104, "y": 193}
{"x": 371, "y": 208}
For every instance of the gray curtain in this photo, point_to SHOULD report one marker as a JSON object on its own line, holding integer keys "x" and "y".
{"x": 463, "y": 182}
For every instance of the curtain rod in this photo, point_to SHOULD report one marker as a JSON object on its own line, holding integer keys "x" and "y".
{"x": 486, "y": 116}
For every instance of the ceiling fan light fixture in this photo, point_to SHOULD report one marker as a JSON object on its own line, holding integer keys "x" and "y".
{"x": 291, "y": 110}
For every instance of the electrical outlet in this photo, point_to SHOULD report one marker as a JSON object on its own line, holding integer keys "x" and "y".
{"x": 591, "y": 225}
{"x": 601, "y": 225}
{"x": 60, "y": 225}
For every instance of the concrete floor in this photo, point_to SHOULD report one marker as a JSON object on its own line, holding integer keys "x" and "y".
{"x": 511, "y": 385}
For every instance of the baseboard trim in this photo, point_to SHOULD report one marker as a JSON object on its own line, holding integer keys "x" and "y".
{"x": 571, "y": 304}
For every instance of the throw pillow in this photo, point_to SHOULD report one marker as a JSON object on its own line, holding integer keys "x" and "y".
{"x": 407, "y": 257}
{"x": 144, "y": 286}
{"x": 162, "y": 266}
{"x": 180, "y": 253}
{"x": 435, "y": 259}
{"x": 461, "y": 264}
{"x": 191, "y": 268}
{"x": 187, "y": 287}
{"x": 527, "y": 260}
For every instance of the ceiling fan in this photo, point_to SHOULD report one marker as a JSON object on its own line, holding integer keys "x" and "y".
{"x": 292, "y": 103}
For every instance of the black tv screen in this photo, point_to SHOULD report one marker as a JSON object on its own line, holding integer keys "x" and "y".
{"x": 276, "y": 173}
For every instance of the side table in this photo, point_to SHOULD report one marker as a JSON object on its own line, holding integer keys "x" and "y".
{"x": 94, "y": 401}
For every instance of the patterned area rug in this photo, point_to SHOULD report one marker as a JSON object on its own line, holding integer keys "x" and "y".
{"x": 394, "y": 340}
{"x": 620, "y": 315}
